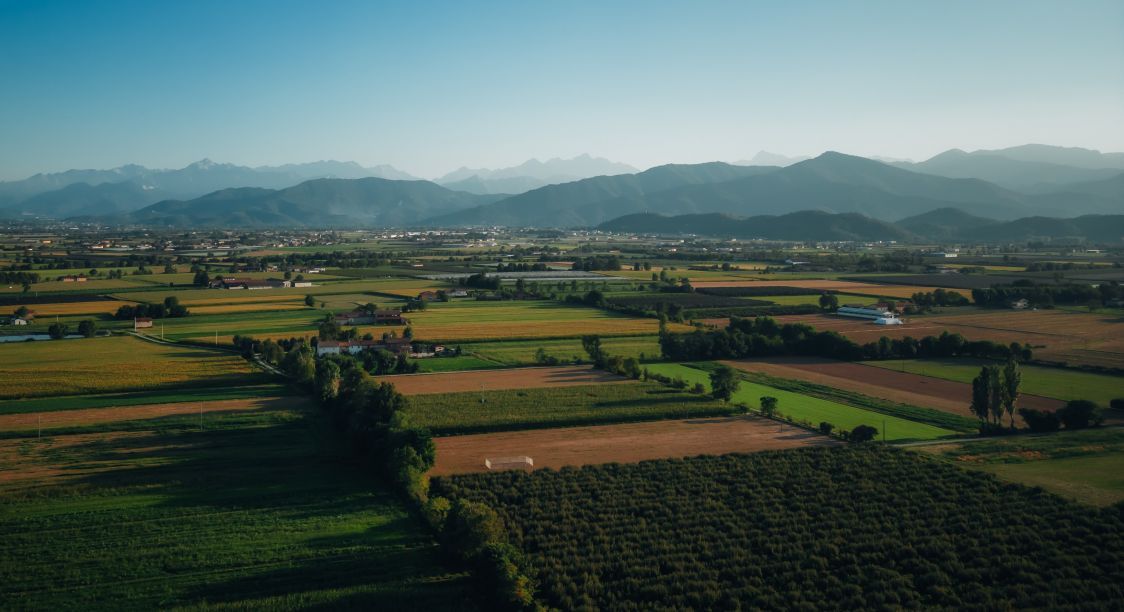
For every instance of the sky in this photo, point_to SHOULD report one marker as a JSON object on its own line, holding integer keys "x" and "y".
{"x": 431, "y": 86}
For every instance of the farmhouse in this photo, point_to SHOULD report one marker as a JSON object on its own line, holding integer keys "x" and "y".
{"x": 20, "y": 321}
{"x": 142, "y": 322}
{"x": 427, "y": 296}
{"x": 1019, "y": 304}
{"x": 74, "y": 279}
{"x": 879, "y": 314}
{"x": 355, "y": 317}
{"x": 354, "y": 347}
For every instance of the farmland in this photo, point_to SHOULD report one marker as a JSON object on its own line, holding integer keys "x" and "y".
{"x": 522, "y": 352}
{"x": 1074, "y": 338}
{"x": 886, "y": 383}
{"x": 814, "y": 410}
{"x": 150, "y": 366}
{"x": 1062, "y": 384}
{"x": 1085, "y": 465}
{"x": 525, "y": 378}
{"x": 166, "y": 472}
{"x": 249, "y": 513}
{"x": 469, "y": 412}
{"x": 476, "y": 321}
{"x": 876, "y": 527}
{"x": 626, "y": 443}
{"x": 866, "y": 289}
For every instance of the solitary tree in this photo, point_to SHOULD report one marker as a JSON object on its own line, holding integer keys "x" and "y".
{"x": 309, "y": 301}
{"x": 863, "y": 433}
{"x": 768, "y": 405}
{"x": 1012, "y": 379}
{"x": 829, "y": 301}
{"x": 592, "y": 346}
{"x": 88, "y": 328}
{"x": 723, "y": 383}
{"x": 57, "y": 331}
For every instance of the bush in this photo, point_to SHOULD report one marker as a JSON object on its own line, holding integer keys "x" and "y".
{"x": 863, "y": 433}
{"x": 1117, "y": 403}
{"x": 1079, "y": 414}
{"x": 826, "y": 428}
{"x": 1040, "y": 421}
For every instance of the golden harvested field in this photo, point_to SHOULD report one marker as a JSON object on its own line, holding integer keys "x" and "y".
{"x": 118, "y": 363}
{"x": 63, "y": 309}
{"x": 467, "y": 321}
{"x": 872, "y": 289}
{"x": 409, "y": 292}
{"x": 250, "y": 307}
{"x": 1056, "y": 335}
{"x": 555, "y": 448}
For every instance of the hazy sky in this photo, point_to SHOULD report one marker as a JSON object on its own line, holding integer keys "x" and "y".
{"x": 430, "y": 86}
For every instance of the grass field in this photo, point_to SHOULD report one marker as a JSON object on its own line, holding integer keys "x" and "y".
{"x": 1058, "y": 383}
{"x": 522, "y": 352}
{"x": 813, "y": 409}
{"x": 454, "y": 364}
{"x": 1086, "y": 465}
{"x": 452, "y": 413}
{"x": 250, "y": 307}
{"x": 255, "y": 512}
{"x": 119, "y": 363}
{"x": 90, "y": 285}
{"x": 191, "y": 295}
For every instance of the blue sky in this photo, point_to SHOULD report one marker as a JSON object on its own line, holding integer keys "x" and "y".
{"x": 431, "y": 86}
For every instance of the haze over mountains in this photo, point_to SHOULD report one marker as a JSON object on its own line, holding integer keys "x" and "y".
{"x": 1000, "y": 185}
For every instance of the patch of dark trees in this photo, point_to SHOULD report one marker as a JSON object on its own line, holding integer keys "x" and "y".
{"x": 171, "y": 308}
{"x": 1045, "y": 296}
{"x": 764, "y": 337}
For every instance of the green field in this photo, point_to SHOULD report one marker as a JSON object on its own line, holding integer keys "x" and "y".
{"x": 1086, "y": 465}
{"x": 453, "y": 413}
{"x": 522, "y": 352}
{"x": 256, "y": 512}
{"x": 1059, "y": 383}
{"x": 454, "y": 364}
{"x": 813, "y": 409}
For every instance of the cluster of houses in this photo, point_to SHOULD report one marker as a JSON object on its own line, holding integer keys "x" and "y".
{"x": 254, "y": 283}
{"x": 354, "y": 347}
{"x": 372, "y": 317}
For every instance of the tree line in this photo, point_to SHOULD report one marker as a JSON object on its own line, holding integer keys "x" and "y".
{"x": 764, "y": 337}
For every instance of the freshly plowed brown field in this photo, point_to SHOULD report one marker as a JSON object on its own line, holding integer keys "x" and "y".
{"x": 555, "y": 448}
{"x": 495, "y": 380}
{"x": 94, "y": 416}
{"x": 901, "y": 387}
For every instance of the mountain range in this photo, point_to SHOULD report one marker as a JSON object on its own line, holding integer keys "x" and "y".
{"x": 832, "y": 182}
{"x": 531, "y": 174}
{"x": 947, "y": 224}
{"x": 1052, "y": 182}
